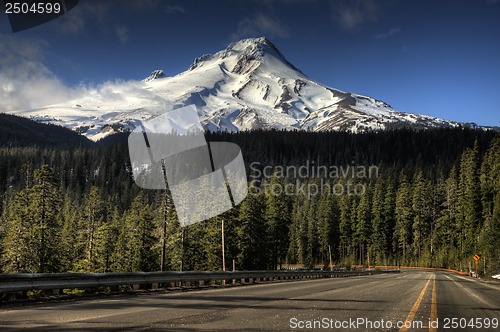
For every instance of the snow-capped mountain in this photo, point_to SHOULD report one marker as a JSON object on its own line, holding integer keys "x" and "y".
{"x": 249, "y": 85}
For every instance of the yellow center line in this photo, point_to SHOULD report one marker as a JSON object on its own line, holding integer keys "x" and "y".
{"x": 433, "y": 306}
{"x": 414, "y": 309}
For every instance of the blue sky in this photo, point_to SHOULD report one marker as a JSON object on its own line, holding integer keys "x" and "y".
{"x": 440, "y": 57}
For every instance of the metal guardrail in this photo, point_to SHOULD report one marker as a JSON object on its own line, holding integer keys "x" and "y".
{"x": 56, "y": 281}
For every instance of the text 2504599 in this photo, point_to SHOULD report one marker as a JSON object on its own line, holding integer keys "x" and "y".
{"x": 32, "y": 7}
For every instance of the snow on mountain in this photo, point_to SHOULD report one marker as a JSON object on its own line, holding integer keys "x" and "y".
{"x": 249, "y": 85}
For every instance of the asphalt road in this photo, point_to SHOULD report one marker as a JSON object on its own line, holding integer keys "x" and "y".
{"x": 343, "y": 304}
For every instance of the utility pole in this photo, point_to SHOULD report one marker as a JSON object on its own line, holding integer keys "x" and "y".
{"x": 223, "y": 252}
{"x": 164, "y": 234}
{"x": 330, "y": 254}
{"x": 223, "y": 249}
{"x": 182, "y": 248}
{"x": 165, "y": 216}
{"x": 484, "y": 265}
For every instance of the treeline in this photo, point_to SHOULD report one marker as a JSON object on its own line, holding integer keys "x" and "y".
{"x": 16, "y": 131}
{"x": 435, "y": 202}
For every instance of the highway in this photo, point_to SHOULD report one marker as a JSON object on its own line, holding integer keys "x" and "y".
{"x": 418, "y": 299}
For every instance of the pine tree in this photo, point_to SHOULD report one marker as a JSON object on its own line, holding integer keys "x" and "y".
{"x": 166, "y": 227}
{"x": 145, "y": 258}
{"x": 212, "y": 244}
{"x": 134, "y": 250}
{"x": 44, "y": 207}
{"x": 389, "y": 218}
{"x": 345, "y": 227}
{"x": 490, "y": 198}
{"x": 293, "y": 255}
{"x": 469, "y": 203}
{"x": 447, "y": 228}
{"x": 328, "y": 226}
{"x": 403, "y": 216}
{"x": 106, "y": 237}
{"x": 379, "y": 223}
{"x": 303, "y": 229}
{"x": 277, "y": 215}
{"x": 422, "y": 213}
{"x": 93, "y": 212}
{"x": 169, "y": 232}
{"x": 363, "y": 227}
{"x": 312, "y": 243}
{"x": 194, "y": 249}
{"x": 18, "y": 254}
{"x": 32, "y": 241}
{"x": 252, "y": 232}
{"x": 72, "y": 246}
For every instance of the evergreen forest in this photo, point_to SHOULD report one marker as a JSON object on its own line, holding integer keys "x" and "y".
{"x": 435, "y": 202}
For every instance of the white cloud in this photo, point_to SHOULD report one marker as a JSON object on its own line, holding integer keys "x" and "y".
{"x": 31, "y": 85}
{"x": 174, "y": 9}
{"x": 120, "y": 91}
{"x": 388, "y": 34}
{"x": 122, "y": 33}
{"x": 26, "y": 83}
{"x": 74, "y": 24}
{"x": 260, "y": 25}
{"x": 353, "y": 14}
{"x": 103, "y": 14}
{"x": 75, "y": 21}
